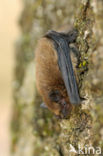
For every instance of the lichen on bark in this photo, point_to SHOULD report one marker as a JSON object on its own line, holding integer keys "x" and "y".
{"x": 36, "y": 132}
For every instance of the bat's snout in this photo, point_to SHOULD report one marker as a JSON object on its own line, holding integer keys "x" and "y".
{"x": 65, "y": 110}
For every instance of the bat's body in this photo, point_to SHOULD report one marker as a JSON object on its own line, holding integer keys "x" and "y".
{"x": 55, "y": 78}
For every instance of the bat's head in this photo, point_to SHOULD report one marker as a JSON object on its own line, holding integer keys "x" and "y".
{"x": 61, "y": 102}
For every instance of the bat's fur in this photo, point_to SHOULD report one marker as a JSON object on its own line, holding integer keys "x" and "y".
{"x": 49, "y": 79}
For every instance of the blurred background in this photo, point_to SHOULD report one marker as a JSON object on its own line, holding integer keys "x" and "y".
{"x": 9, "y": 32}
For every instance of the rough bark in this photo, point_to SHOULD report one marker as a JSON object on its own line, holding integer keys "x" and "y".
{"x": 36, "y": 132}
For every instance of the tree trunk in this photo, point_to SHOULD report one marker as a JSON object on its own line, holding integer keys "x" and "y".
{"x": 35, "y": 131}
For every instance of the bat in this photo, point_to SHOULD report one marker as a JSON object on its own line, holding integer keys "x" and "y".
{"x": 55, "y": 77}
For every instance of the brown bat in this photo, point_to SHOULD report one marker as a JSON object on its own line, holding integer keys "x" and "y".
{"x": 55, "y": 78}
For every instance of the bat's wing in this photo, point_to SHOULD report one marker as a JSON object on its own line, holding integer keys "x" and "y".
{"x": 65, "y": 65}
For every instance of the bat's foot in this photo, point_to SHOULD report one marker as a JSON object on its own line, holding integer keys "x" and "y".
{"x": 71, "y": 36}
{"x": 75, "y": 51}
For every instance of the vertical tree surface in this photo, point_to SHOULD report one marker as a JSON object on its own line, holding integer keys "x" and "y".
{"x": 36, "y": 132}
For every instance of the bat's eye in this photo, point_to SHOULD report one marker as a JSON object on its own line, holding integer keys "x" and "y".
{"x": 64, "y": 103}
{"x": 55, "y": 96}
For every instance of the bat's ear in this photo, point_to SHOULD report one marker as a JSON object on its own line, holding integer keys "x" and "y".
{"x": 42, "y": 105}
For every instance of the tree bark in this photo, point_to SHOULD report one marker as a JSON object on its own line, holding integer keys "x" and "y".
{"x": 35, "y": 131}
